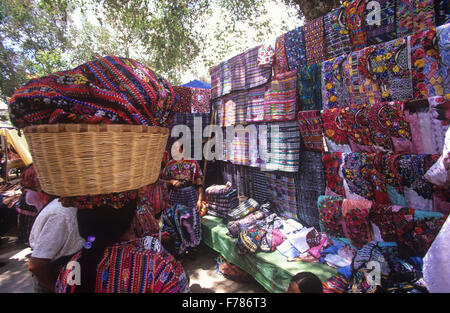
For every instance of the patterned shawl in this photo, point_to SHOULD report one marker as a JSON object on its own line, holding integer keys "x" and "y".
{"x": 107, "y": 90}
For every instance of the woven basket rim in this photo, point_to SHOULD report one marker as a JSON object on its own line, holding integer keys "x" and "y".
{"x": 80, "y": 128}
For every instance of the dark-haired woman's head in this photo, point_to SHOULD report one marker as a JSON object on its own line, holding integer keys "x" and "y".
{"x": 103, "y": 226}
{"x": 305, "y": 282}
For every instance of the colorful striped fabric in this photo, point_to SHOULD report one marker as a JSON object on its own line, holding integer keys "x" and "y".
{"x": 255, "y": 104}
{"x": 356, "y": 23}
{"x": 241, "y": 147}
{"x": 284, "y": 147}
{"x": 260, "y": 191}
{"x": 335, "y": 92}
{"x": 295, "y": 49}
{"x": 414, "y": 16}
{"x": 385, "y": 28}
{"x": 309, "y": 87}
{"x": 337, "y": 36}
{"x": 220, "y": 79}
{"x": 443, "y": 40}
{"x": 335, "y": 284}
{"x": 240, "y": 99}
{"x": 227, "y": 109}
{"x": 311, "y": 130}
{"x": 426, "y": 76}
{"x": 280, "y": 100}
{"x": 237, "y": 66}
{"x": 310, "y": 185}
{"x": 129, "y": 267}
{"x": 280, "y": 62}
{"x": 314, "y": 41}
{"x": 255, "y": 75}
{"x": 107, "y": 90}
{"x": 282, "y": 191}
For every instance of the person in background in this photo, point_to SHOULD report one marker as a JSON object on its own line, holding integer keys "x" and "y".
{"x": 113, "y": 260}
{"x": 305, "y": 282}
{"x": 54, "y": 238}
{"x": 185, "y": 181}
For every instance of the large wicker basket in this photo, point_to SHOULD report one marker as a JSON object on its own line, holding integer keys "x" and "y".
{"x": 82, "y": 159}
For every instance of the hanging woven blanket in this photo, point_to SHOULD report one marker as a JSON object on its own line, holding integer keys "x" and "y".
{"x": 356, "y": 23}
{"x": 337, "y": 36}
{"x": 414, "y": 16}
{"x": 311, "y": 130}
{"x": 237, "y": 68}
{"x": 108, "y": 90}
{"x": 389, "y": 128}
{"x": 309, "y": 87}
{"x": 335, "y": 92}
{"x": 334, "y": 131}
{"x": 284, "y": 147}
{"x": 260, "y": 190}
{"x": 200, "y": 100}
{"x": 443, "y": 43}
{"x": 314, "y": 41}
{"x": 295, "y": 49}
{"x": 427, "y": 78}
{"x": 255, "y": 104}
{"x": 280, "y": 100}
{"x": 442, "y": 11}
{"x": 332, "y": 163}
{"x": 255, "y": 75}
{"x": 310, "y": 185}
{"x": 265, "y": 55}
{"x": 280, "y": 62}
{"x": 355, "y": 123}
{"x": 350, "y": 71}
{"x": 380, "y": 20}
{"x": 240, "y": 99}
{"x": 282, "y": 190}
{"x": 184, "y": 97}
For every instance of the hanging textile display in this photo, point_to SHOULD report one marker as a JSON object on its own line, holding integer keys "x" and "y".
{"x": 280, "y": 62}
{"x": 284, "y": 147}
{"x": 237, "y": 72}
{"x": 227, "y": 108}
{"x": 426, "y": 76}
{"x": 265, "y": 55}
{"x": 389, "y": 129}
{"x": 282, "y": 190}
{"x": 351, "y": 75}
{"x": 335, "y": 92}
{"x": 380, "y": 19}
{"x": 200, "y": 100}
{"x": 255, "y": 75}
{"x": 280, "y": 100}
{"x": 414, "y": 16}
{"x": 310, "y": 185}
{"x": 442, "y": 12}
{"x": 240, "y": 99}
{"x": 295, "y": 49}
{"x": 309, "y": 87}
{"x": 334, "y": 131}
{"x": 364, "y": 86}
{"x": 355, "y": 122}
{"x": 183, "y": 102}
{"x": 260, "y": 189}
{"x": 387, "y": 66}
{"x": 332, "y": 163}
{"x": 337, "y": 36}
{"x": 311, "y": 130}
{"x": 443, "y": 44}
{"x": 314, "y": 41}
{"x": 240, "y": 147}
{"x": 356, "y": 23}
{"x": 255, "y": 104}
{"x": 439, "y": 127}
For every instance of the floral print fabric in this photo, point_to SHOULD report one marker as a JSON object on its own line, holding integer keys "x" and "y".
{"x": 334, "y": 89}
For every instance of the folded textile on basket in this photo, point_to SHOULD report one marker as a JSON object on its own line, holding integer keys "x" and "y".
{"x": 109, "y": 90}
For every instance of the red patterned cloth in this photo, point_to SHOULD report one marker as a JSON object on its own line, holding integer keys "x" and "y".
{"x": 183, "y": 103}
{"x": 314, "y": 41}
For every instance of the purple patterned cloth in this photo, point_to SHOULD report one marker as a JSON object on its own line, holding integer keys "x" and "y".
{"x": 337, "y": 36}
{"x": 295, "y": 48}
{"x": 254, "y": 74}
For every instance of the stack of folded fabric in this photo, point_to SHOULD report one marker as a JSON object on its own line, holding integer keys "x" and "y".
{"x": 221, "y": 199}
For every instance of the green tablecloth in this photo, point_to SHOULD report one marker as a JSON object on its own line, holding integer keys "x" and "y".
{"x": 271, "y": 270}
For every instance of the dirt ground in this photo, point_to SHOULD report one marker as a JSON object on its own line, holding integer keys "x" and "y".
{"x": 15, "y": 277}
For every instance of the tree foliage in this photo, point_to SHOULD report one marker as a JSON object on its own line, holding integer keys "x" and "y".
{"x": 310, "y": 10}
{"x": 38, "y": 37}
